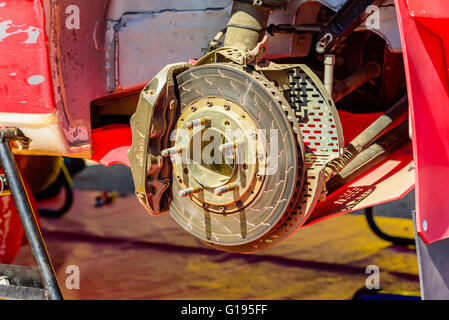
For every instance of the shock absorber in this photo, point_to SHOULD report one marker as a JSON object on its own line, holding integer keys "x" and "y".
{"x": 248, "y": 22}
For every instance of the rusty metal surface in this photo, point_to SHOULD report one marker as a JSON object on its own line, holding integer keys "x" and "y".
{"x": 76, "y": 51}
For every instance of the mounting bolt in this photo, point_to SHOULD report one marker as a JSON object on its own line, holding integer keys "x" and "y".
{"x": 229, "y": 187}
{"x": 4, "y": 281}
{"x": 193, "y": 108}
{"x": 424, "y": 225}
{"x": 227, "y": 107}
{"x": 189, "y": 191}
{"x": 324, "y": 42}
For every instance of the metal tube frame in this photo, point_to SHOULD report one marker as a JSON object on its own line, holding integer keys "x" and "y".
{"x": 27, "y": 215}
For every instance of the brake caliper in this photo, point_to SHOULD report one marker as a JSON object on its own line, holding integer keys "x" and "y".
{"x": 151, "y": 126}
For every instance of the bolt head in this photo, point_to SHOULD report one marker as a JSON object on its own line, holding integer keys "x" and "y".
{"x": 424, "y": 225}
{"x": 173, "y": 104}
{"x": 4, "y": 281}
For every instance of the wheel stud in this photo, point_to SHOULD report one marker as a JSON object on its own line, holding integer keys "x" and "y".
{"x": 189, "y": 191}
{"x": 171, "y": 151}
{"x": 198, "y": 122}
{"x": 229, "y": 146}
{"x": 229, "y": 187}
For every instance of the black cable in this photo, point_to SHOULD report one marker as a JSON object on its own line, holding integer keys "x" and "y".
{"x": 64, "y": 180}
{"x": 400, "y": 241}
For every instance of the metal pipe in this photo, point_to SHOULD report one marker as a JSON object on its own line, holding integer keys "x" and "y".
{"x": 329, "y": 64}
{"x": 356, "y": 80}
{"x": 28, "y": 219}
{"x": 247, "y": 25}
{"x": 365, "y": 138}
{"x": 399, "y": 241}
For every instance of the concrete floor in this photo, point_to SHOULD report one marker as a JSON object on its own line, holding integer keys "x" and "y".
{"x": 118, "y": 178}
{"x": 123, "y": 253}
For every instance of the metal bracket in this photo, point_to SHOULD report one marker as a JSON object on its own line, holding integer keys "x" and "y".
{"x": 29, "y": 223}
{"x": 344, "y": 21}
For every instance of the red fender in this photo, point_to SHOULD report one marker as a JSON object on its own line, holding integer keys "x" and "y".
{"x": 11, "y": 231}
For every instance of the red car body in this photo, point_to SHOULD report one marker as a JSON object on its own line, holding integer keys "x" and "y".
{"x": 35, "y": 75}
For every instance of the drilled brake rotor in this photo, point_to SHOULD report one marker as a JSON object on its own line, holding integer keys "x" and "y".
{"x": 320, "y": 131}
{"x": 257, "y": 194}
{"x": 265, "y": 182}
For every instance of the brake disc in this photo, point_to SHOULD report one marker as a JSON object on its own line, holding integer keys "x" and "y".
{"x": 235, "y": 205}
{"x": 321, "y": 133}
{"x": 222, "y": 98}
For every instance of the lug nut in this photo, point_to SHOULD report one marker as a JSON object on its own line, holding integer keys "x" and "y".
{"x": 198, "y": 122}
{"x": 189, "y": 191}
{"x": 229, "y": 187}
{"x": 171, "y": 151}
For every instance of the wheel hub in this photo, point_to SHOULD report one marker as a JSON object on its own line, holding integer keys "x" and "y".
{"x": 217, "y": 166}
{"x": 236, "y": 201}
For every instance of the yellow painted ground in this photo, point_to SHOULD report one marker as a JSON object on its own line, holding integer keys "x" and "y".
{"x": 123, "y": 253}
